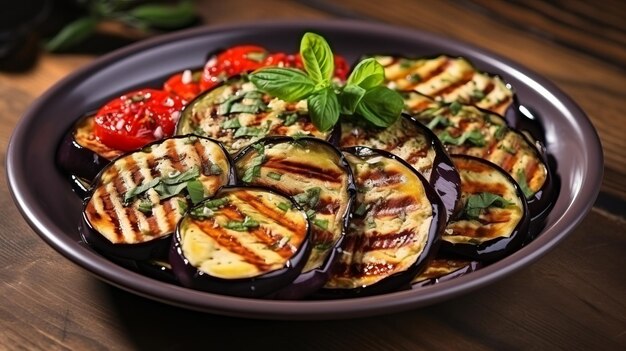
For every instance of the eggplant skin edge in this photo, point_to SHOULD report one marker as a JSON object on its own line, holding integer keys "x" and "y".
{"x": 256, "y": 287}
{"x": 398, "y": 279}
{"x": 309, "y": 282}
{"x": 497, "y": 248}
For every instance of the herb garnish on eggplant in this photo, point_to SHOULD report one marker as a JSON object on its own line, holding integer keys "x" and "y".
{"x": 417, "y": 145}
{"x": 395, "y": 225}
{"x": 465, "y": 129}
{"x": 138, "y": 199}
{"x": 237, "y": 114}
{"x": 493, "y": 221}
{"x": 448, "y": 79}
{"x": 317, "y": 176}
{"x": 245, "y": 241}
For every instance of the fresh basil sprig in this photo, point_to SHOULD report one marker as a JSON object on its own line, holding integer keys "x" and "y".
{"x": 362, "y": 95}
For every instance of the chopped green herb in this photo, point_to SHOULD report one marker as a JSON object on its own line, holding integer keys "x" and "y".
{"x": 254, "y": 168}
{"x": 478, "y": 95}
{"x": 507, "y": 148}
{"x": 274, "y": 175}
{"x": 321, "y": 223}
{"x": 242, "y": 226}
{"x": 299, "y": 135}
{"x": 140, "y": 189}
{"x": 201, "y": 212}
{"x": 476, "y": 203}
{"x": 179, "y": 177}
{"x": 455, "y": 107}
{"x": 438, "y": 120}
{"x": 414, "y": 78}
{"x": 214, "y": 204}
{"x": 195, "y": 190}
{"x": 309, "y": 198}
{"x": 289, "y": 119}
{"x": 370, "y": 223}
{"x": 225, "y": 107}
{"x": 250, "y": 131}
{"x": 284, "y": 206}
{"x": 501, "y": 132}
{"x": 182, "y": 207}
{"x": 255, "y": 107}
{"x": 310, "y": 214}
{"x": 199, "y": 131}
{"x": 145, "y": 207}
{"x": 231, "y": 123}
{"x": 214, "y": 169}
{"x": 474, "y": 137}
{"x": 360, "y": 211}
{"x": 405, "y": 63}
{"x": 523, "y": 183}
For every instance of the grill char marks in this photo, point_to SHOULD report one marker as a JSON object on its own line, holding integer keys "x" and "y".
{"x": 390, "y": 228}
{"x": 303, "y": 169}
{"x": 450, "y": 79}
{"x": 145, "y": 217}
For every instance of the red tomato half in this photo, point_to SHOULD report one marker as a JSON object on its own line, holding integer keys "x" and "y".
{"x": 137, "y": 118}
{"x": 230, "y": 62}
{"x": 184, "y": 85}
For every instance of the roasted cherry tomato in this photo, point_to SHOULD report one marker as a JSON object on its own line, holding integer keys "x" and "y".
{"x": 184, "y": 85}
{"x": 137, "y": 118}
{"x": 230, "y": 62}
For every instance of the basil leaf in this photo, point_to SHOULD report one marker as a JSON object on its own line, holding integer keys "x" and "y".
{"x": 350, "y": 98}
{"x": 242, "y": 226}
{"x": 182, "y": 177}
{"x": 381, "y": 106}
{"x": 195, "y": 190}
{"x": 324, "y": 109}
{"x": 284, "y": 83}
{"x": 368, "y": 74}
{"x": 141, "y": 189}
{"x": 317, "y": 58}
{"x": 166, "y": 191}
{"x": 476, "y": 203}
{"x": 72, "y": 34}
{"x": 214, "y": 204}
{"x": 523, "y": 183}
{"x": 256, "y": 107}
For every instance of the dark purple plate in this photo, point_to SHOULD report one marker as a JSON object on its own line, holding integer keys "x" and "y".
{"x": 45, "y": 198}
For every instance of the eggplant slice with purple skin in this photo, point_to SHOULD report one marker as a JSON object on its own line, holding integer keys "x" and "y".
{"x": 465, "y": 129}
{"x": 137, "y": 200}
{"x": 493, "y": 221}
{"x": 417, "y": 145}
{"x": 237, "y": 114}
{"x": 449, "y": 79}
{"x": 395, "y": 226}
{"x": 318, "y": 177}
{"x": 245, "y": 241}
{"x": 81, "y": 155}
{"x": 442, "y": 269}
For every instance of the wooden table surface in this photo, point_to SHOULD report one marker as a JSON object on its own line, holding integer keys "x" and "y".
{"x": 573, "y": 298}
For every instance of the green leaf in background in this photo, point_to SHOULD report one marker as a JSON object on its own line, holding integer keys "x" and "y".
{"x": 165, "y": 16}
{"x": 381, "y": 106}
{"x": 317, "y": 58}
{"x": 72, "y": 34}
{"x": 284, "y": 83}
{"x": 324, "y": 108}
{"x": 367, "y": 74}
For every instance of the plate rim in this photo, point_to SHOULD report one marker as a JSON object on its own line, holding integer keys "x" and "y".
{"x": 318, "y": 309}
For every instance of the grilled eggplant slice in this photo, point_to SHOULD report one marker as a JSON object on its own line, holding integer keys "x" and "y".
{"x": 442, "y": 269}
{"x": 494, "y": 219}
{"x": 465, "y": 129}
{"x": 448, "y": 79}
{"x": 245, "y": 241}
{"x": 81, "y": 154}
{"x": 318, "y": 177}
{"x": 396, "y": 221}
{"x": 415, "y": 144}
{"x": 137, "y": 200}
{"x": 237, "y": 114}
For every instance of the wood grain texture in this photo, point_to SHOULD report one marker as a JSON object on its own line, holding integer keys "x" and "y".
{"x": 573, "y": 298}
